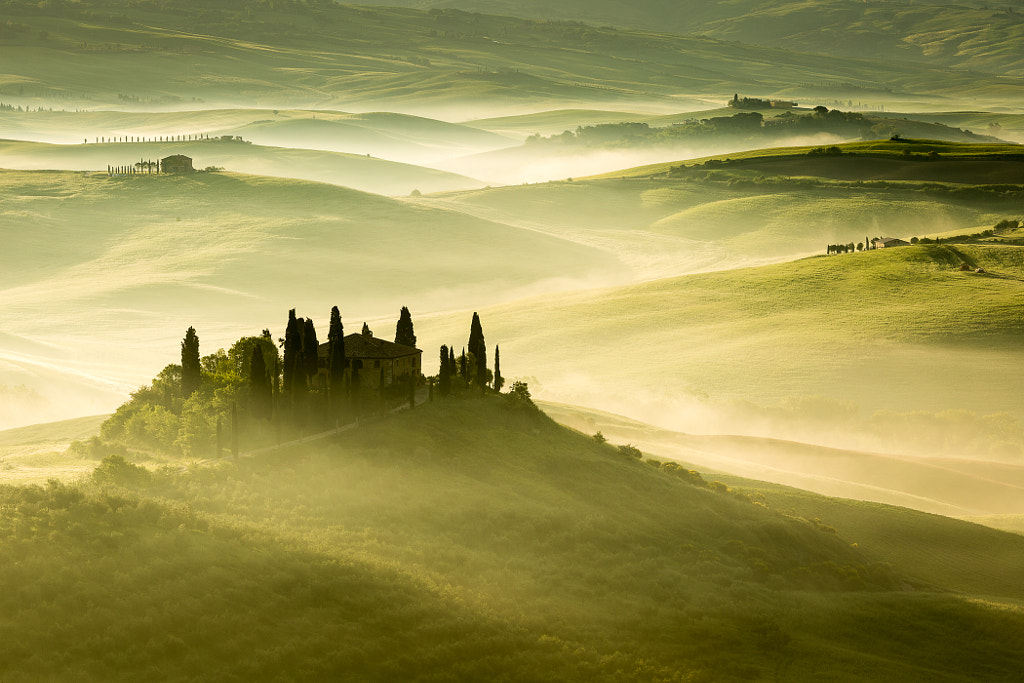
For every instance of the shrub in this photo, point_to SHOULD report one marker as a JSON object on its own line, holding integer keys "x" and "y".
{"x": 115, "y": 470}
{"x": 631, "y": 451}
{"x": 519, "y": 396}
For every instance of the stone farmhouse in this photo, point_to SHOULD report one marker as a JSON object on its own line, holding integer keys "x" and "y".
{"x": 378, "y": 360}
{"x": 885, "y": 242}
{"x": 176, "y": 163}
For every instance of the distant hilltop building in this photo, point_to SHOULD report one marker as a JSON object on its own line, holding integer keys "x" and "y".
{"x": 738, "y": 102}
{"x": 379, "y": 361}
{"x": 885, "y": 242}
{"x": 176, "y": 163}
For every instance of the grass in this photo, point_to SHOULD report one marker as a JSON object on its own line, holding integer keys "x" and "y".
{"x": 31, "y": 455}
{"x": 465, "y": 540}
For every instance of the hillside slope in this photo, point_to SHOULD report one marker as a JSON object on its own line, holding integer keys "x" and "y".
{"x": 359, "y": 172}
{"x": 470, "y": 539}
{"x": 397, "y": 137}
{"x": 964, "y": 35}
{"x": 171, "y": 53}
{"x": 804, "y": 350}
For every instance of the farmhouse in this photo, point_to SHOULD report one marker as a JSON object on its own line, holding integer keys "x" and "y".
{"x": 885, "y": 242}
{"x": 378, "y": 360}
{"x": 176, "y": 163}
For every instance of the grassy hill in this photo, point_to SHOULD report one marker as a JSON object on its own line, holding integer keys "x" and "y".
{"x": 92, "y": 261}
{"x": 915, "y": 461}
{"x": 173, "y": 54}
{"x": 398, "y": 137}
{"x": 350, "y": 170}
{"x": 808, "y": 350}
{"x": 953, "y": 162}
{"x": 468, "y": 540}
{"x": 39, "y": 452}
{"x": 754, "y": 210}
{"x": 963, "y": 35}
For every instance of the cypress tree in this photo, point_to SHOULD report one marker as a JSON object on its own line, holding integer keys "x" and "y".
{"x": 336, "y": 357}
{"x": 463, "y": 369}
{"x": 310, "y": 349}
{"x": 479, "y": 350}
{"x": 404, "y": 334}
{"x": 190, "y": 368}
{"x": 444, "y": 377}
{"x": 292, "y": 350}
{"x": 498, "y": 379}
{"x": 259, "y": 384}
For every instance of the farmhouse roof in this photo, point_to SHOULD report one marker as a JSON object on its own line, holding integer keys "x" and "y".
{"x": 177, "y": 157}
{"x": 367, "y": 346}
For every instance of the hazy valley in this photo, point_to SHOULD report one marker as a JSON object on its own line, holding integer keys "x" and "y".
{"x": 727, "y": 440}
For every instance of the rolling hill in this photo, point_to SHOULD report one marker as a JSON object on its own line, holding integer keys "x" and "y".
{"x": 474, "y": 539}
{"x": 397, "y": 137}
{"x": 932, "y": 479}
{"x": 961, "y": 35}
{"x": 230, "y": 255}
{"x": 173, "y": 54}
{"x": 762, "y": 206}
{"x": 808, "y": 350}
{"x": 359, "y": 172}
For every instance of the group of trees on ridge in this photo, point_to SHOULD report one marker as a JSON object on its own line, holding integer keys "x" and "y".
{"x": 746, "y": 124}
{"x": 284, "y": 387}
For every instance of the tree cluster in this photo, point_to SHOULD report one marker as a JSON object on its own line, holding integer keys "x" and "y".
{"x": 469, "y": 370}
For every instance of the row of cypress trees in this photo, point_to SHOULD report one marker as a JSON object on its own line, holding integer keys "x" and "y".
{"x": 471, "y": 366}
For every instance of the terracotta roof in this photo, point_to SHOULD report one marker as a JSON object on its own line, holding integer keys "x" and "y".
{"x": 362, "y": 346}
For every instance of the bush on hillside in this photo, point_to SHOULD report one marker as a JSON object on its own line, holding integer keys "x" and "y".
{"x": 116, "y": 471}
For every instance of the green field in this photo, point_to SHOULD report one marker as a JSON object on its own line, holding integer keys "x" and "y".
{"x": 469, "y": 539}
